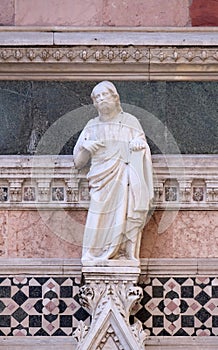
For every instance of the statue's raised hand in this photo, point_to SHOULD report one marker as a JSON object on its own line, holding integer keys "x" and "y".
{"x": 92, "y": 146}
{"x": 137, "y": 145}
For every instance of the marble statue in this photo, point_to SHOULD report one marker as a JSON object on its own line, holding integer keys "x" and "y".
{"x": 120, "y": 179}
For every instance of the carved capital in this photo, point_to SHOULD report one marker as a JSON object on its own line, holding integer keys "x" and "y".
{"x": 110, "y": 304}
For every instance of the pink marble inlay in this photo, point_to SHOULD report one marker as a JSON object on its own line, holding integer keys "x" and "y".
{"x": 191, "y": 234}
{"x": 7, "y": 12}
{"x": 172, "y": 285}
{"x": 146, "y": 13}
{"x": 50, "y": 327}
{"x": 172, "y": 306}
{"x": 56, "y": 12}
{"x": 45, "y": 234}
{"x": 50, "y": 285}
{"x": 152, "y": 306}
{"x": 194, "y": 306}
{"x": 172, "y": 327}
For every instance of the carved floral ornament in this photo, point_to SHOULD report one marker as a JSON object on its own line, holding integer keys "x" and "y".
{"x": 74, "y": 54}
{"x": 97, "y": 54}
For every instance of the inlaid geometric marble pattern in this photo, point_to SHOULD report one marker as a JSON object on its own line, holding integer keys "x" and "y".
{"x": 179, "y": 306}
{"x": 43, "y": 306}
{"x": 48, "y": 306}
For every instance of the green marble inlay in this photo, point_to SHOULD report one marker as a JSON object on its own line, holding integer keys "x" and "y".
{"x": 188, "y": 111}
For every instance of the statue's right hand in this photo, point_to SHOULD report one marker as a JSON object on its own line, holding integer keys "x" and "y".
{"x": 92, "y": 146}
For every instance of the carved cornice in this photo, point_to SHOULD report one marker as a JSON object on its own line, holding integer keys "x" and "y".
{"x": 32, "y": 182}
{"x": 109, "y": 54}
{"x": 184, "y": 55}
{"x": 75, "y": 54}
{"x": 125, "y": 54}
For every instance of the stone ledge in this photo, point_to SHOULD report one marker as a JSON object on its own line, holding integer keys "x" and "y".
{"x": 37, "y": 266}
{"x": 151, "y": 267}
{"x": 35, "y": 343}
{"x": 25, "y": 38}
{"x": 180, "y": 267}
{"x": 68, "y": 343}
{"x": 185, "y": 343}
{"x": 57, "y": 36}
{"x": 137, "y": 38}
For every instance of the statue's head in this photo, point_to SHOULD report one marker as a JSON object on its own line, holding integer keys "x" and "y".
{"x": 105, "y": 94}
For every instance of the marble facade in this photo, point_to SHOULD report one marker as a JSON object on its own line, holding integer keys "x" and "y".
{"x": 39, "y": 297}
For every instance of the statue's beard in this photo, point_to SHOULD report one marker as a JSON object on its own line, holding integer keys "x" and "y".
{"x": 107, "y": 109}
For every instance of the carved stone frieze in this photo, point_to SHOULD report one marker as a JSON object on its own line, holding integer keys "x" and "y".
{"x": 190, "y": 182}
{"x": 177, "y": 55}
{"x": 110, "y": 54}
{"x": 76, "y": 54}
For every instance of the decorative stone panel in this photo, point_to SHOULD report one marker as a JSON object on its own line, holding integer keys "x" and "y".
{"x": 180, "y": 300}
{"x": 40, "y": 306}
{"x": 180, "y": 182}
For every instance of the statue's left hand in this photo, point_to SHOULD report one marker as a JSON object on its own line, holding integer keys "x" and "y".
{"x": 137, "y": 145}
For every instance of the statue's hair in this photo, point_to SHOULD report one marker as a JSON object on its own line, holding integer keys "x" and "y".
{"x": 109, "y": 86}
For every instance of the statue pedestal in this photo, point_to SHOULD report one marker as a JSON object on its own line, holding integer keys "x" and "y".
{"x": 110, "y": 292}
{"x": 111, "y": 270}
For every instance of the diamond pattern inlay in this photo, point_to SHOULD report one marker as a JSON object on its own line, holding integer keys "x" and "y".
{"x": 40, "y": 306}
{"x": 179, "y": 306}
{"x": 46, "y": 306}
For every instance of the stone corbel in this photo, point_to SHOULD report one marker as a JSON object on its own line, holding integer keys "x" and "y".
{"x": 72, "y": 190}
{"x": 211, "y": 191}
{"x": 43, "y": 190}
{"x": 109, "y": 294}
{"x": 158, "y": 191}
{"x": 185, "y": 191}
{"x": 15, "y": 190}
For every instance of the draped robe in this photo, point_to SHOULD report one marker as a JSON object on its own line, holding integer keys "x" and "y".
{"x": 120, "y": 183}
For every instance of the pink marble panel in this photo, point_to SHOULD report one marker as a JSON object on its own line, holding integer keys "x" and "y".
{"x": 7, "y": 12}
{"x": 3, "y": 233}
{"x": 59, "y": 12}
{"x": 58, "y": 233}
{"x": 102, "y": 12}
{"x": 45, "y": 234}
{"x": 154, "y": 13}
{"x": 204, "y": 13}
{"x": 192, "y": 234}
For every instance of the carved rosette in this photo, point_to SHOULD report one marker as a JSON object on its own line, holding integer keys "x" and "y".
{"x": 109, "y": 303}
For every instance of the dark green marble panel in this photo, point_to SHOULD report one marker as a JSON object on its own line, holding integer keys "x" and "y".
{"x": 48, "y": 116}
